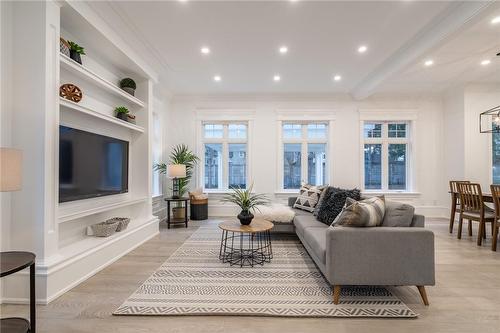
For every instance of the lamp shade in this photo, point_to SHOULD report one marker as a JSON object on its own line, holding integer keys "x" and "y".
{"x": 10, "y": 169}
{"x": 176, "y": 171}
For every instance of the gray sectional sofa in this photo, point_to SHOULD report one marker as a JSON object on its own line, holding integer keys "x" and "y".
{"x": 389, "y": 255}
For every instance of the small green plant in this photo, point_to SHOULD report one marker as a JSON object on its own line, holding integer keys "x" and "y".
{"x": 121, "y": 110}
{"x": 245, "y": 199}
{"x": 128, "y": 83}
{"x": 76, "y": 48}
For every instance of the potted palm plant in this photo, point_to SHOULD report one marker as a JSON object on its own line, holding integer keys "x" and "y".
{"x": 247, "y": 201}
{"x": 181, "y": 154}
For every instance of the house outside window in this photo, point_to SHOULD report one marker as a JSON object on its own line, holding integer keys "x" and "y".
{"x": 225, "y": 147}
{"x": 386, "y": 155}
{"x": 304, "y": 148}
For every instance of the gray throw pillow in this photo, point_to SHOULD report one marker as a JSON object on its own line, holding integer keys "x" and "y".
{"x": 365, "y": 213}
{"x": 398, "y": 214}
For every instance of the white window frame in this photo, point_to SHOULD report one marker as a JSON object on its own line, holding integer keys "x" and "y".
{"x": 304, "y": 117}
{"x": 386, "y": 117}
{"x": 225, "y": 141}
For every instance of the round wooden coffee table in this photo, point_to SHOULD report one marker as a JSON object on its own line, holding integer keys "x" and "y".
{"x": 246, "y": 245}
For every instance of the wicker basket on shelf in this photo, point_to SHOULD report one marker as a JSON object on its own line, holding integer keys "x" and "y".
{"x": 104, "y": 229}
{"x": 122, "y": 222}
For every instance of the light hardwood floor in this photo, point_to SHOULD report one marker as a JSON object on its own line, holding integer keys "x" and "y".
{"x": 466, "y": 297}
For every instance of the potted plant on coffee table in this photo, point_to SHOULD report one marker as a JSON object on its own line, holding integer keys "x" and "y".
{"x": 247, "y": 201}
{"x": 181, "y": 154}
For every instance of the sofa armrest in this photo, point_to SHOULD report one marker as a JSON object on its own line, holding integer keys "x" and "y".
{"x": 291, "y": 201}
{"x": 380, "y": 256}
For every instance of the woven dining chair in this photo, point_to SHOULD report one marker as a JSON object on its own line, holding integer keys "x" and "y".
{"x": 472, "y": 207}
{"x": 455, "y": 203}
{"x": 495, "y": 192}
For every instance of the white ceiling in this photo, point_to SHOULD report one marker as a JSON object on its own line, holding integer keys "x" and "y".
{"x": 322, "y": 37}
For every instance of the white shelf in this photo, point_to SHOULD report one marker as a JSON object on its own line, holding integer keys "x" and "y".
{"x": 91, "y": 244}
{"x": 88, "y": 75}
{"x": 79, "y": 108}
{"x": 65, "y": 217}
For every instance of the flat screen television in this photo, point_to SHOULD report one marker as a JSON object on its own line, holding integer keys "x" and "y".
{"x": 91, "y": 165}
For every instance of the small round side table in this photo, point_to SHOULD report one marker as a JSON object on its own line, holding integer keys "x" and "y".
{"x": 246, "y": 245}
{"x": 10, "y": 263}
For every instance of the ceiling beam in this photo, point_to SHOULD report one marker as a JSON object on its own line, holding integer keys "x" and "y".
{"x": 450, "y": 21}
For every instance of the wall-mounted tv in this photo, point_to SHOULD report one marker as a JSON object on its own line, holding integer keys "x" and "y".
{"x": 91, "y": 165}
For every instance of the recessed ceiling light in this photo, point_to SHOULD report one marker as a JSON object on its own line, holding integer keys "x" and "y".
{"x": 217, "y": 78}
{"x": 277, "y": 78}
{"x": 485, "y": 62}
{"x": 205, "y": 50}
{"x": 362, "y": 49}
{"x": 182, "y": 0}
{"x": 429, "y": 62}
{"x": 496, "y": 20}
{"x": 337, "y": 78}
{"x": 283, "y": 49}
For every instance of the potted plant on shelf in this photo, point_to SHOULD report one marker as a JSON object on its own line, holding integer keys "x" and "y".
{"x": 181, "y": 154}
{"x": 122, "y": 113}
{"x": 247, "y": 201}
{"x": 128, "y": 85}
{"x": 76, "y": 51}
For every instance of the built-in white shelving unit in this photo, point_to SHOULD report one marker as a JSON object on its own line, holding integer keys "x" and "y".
{"x": 94, "y": 244}
{"x": 72, "y": 106}
{"x": 66, "y": 216}
{"x": 98, "y": 80}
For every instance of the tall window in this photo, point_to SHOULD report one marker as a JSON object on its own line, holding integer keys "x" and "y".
{"x": 304, "y": 154}
{"x": 225, "y": 155}
{"x": 496, "y": 157}
{"x": 386, "y": 150}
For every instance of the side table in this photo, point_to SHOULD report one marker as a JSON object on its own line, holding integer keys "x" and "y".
{"x": 10, "y": 263}
{"x": 176, "y": 221}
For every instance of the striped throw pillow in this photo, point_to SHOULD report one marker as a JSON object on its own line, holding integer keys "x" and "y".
{"x": 365, "y": 213}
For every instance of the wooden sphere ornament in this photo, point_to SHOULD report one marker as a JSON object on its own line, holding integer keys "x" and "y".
{"x": 71, "y": 92}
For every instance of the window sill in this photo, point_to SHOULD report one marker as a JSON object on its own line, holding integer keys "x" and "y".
{"x": 393, "y": 193}
{"x": 287, "y": 192}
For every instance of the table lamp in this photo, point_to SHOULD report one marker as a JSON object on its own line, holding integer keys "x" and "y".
{"x": 10, "y": 169}
{"x": 176, "y": 171}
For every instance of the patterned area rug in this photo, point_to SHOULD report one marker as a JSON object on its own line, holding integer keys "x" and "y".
{"x": 193, "y": 281}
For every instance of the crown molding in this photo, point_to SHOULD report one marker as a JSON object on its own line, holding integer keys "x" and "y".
{"x": 442, "y": 27}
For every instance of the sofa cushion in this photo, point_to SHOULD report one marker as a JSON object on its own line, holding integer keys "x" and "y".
{"x": 303, "y": 222}
{"x": 364, "y": 213}
{"x": 316, "y": 239}
{"x": 397, "y": 214}
{"x": 333, "y": 203}
{"x": 308, "y": 197}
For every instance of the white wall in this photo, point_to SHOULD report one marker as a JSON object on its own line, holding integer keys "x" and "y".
{"x": 468, "y": 153}
{"x": 430, "y": 197}
{"x": 478, "y": 146}
{"x": 5, "y": 110}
